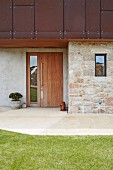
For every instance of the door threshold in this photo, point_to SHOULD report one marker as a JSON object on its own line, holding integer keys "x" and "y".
{"x": 33, "y": 105}
{"x": 50, "y": 107}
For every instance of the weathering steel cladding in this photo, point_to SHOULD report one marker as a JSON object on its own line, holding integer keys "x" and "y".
{"x": 51, "y": 19}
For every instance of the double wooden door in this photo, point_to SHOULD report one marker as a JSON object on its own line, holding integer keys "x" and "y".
{"x": 49, "y": 79}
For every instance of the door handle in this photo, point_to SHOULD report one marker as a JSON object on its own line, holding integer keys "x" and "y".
{"x": 41, "y": 81}
{"x": 41, "y": 74}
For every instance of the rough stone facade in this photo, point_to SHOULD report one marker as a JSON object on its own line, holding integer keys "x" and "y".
{"x": 85, "y": 91}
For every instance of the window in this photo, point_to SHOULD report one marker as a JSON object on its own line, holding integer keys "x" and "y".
{"x": 33, "y": 79}
{"x": 100, "y": 65}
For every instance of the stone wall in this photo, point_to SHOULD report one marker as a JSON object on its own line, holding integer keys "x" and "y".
{"x": 85, "y": 90}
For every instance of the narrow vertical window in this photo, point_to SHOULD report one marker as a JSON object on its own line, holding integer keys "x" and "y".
{"x": 33, "y": 79}
{"x": 100, "y": 65}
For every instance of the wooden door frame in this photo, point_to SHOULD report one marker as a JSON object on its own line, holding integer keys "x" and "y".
{"x": 28, "y": 54}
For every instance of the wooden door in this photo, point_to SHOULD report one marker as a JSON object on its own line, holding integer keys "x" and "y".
{"x": 50, "y": 76}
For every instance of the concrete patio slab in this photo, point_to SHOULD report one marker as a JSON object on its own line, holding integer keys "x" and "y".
{"x": 51, "y": 121}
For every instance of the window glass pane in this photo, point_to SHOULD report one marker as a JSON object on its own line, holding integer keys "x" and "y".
{"x": 100, "y": 65}
{"x": 100, "y": 59}
{"x": 33, "y": 79}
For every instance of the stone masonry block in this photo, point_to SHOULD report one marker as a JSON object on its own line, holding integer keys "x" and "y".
{"x": 88, "y": 57}
{"x": 109, "y": 102}
{"x": 89, "y": 72}
{"x": 86, "y": 90}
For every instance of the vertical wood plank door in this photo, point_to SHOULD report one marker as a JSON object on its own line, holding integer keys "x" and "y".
{"x": 50, "y": 79}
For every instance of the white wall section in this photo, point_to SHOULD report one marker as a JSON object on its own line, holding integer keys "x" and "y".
{"x": 13, "y": 72}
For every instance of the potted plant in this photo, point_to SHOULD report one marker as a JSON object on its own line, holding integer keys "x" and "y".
{"x": 15, "y": 102}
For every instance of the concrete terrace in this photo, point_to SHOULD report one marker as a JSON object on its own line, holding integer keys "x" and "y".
{"x": 51, "y": 121}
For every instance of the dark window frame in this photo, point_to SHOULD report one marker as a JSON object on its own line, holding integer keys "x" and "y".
{"x": 105, "y": 65}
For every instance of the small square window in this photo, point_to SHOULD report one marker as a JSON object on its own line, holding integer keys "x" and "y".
{"x": 100, "y": 65}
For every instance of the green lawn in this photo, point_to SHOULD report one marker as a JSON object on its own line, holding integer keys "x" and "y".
{"x": 25, "y": 152}
{"x": 33, "y": 94}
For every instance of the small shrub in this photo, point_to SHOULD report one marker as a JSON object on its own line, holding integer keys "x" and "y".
{"x": 15, "y": 96}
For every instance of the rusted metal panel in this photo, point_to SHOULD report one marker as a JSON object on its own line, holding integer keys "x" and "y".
{"x": 107, "y": 24}
{"x": 107, "y": 4}
{"x": 5, "y": 18}
{"x": 93, "y": 35}
{"x": 5, "y": 35}
{"x": 77, "y": 35}
{"x": 74, "y": 18}
{"x": 107, "y": 35}
{"x": 25, "y": 35}
{"x": 47, "y": 35}
{"x": 49, "y": 17}
{"x": 23, "y": 2}
{"x": 93, "y": 18}
{"x": 23, "y": 21}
